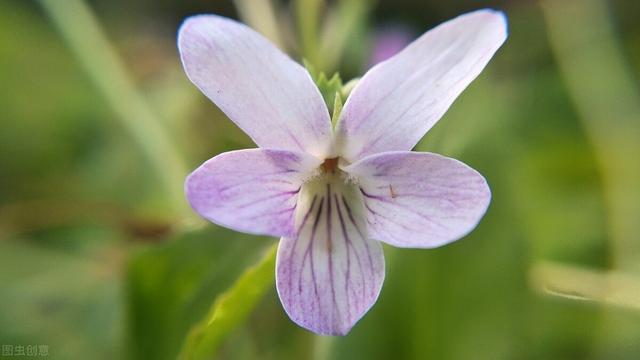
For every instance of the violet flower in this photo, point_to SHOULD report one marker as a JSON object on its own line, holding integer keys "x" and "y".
{"x": 333, "y": 194}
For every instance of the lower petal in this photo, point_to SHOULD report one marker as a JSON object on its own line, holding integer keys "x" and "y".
{"x": 420, "y": 200}
{"x": 331, "y": 273}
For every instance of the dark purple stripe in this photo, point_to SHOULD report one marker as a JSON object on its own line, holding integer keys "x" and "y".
{"x": 294, "y": 246}
{"x": 370, "y": 196}
{"x": 330, "y": 249}
{"x": 355, "y": 225}
{"x": 309, "y": 254}
{"x": 370, "y": 209}
{"x": 306, "y": 216}
{"x": 349, "y": 246}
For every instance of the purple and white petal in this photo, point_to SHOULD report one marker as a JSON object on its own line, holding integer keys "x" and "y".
{"x": 331, "y": 273}
{"x": 419, "y": 200}
{"x": 400, "y": 99}
{"x": 253, "y": 191}
{"x": 268, "y": 95}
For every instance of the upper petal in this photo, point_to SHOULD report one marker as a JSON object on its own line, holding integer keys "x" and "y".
{"x": 253, "y": 191}
{"x": 268, "y": 95}
{"x": 399, "y": 100}
{"x": 420, "y": 200}
{"x": 331, "y": 273}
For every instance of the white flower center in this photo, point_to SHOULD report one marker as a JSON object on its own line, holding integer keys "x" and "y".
{"x": 332, "y": 187}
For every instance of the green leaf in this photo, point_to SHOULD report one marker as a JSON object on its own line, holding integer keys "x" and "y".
{"x": 230, "y": 309}
{"x": 337, "y": 108}
{"x": 329, "y": 87}
{"x": 171, "y": 286}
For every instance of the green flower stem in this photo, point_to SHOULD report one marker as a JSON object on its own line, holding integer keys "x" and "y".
{"x": 322, "y": 347}
{"x": 230, "y": 309}
{"x": 86, "y": 39}
{"x": 601, "y": 87}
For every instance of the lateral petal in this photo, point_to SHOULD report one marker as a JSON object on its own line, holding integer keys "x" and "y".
{"x": 253, "y": 191}
{"x": 419, "y": 200}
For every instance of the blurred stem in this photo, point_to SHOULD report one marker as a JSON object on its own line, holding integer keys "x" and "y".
{"x": 343, "y": 21}
{"x": 574, "y": 283}
{"x": 86, "y": 39}
{"x": 599, "y": 83}
{"x": 261, "y": 15}
{"x": 308, "y": 22}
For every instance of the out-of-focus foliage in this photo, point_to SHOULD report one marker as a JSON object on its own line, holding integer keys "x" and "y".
{"x": 170, "y": 287}
{"x": 230, "y": 309}
{"x": 93, "y": 264}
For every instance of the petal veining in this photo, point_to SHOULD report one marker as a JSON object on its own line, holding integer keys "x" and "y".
{"x": 331, "y": 273}
{"x": 420, "y": 200}
{"x": 253, "y": 191}
{"x": 400, "y": 99}
{"x": 269, "y": 96}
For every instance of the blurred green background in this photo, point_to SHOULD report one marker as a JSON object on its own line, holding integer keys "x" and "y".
{"x": 100, "y": 258}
